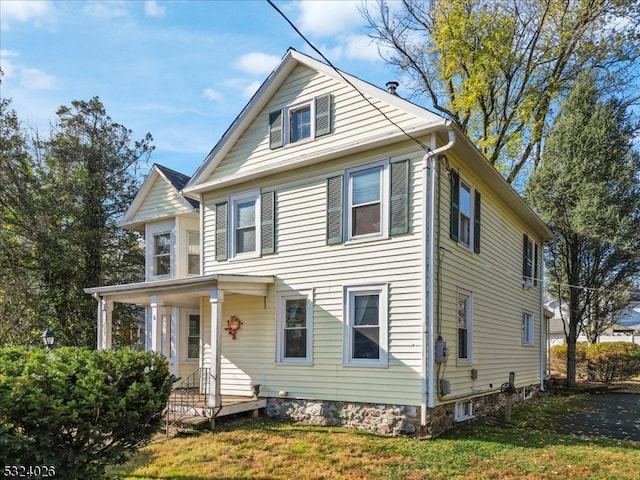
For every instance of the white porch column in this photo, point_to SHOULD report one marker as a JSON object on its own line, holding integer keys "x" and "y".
{"x": 157, "y": 316}
{"x": 105, "y": 323}
{"x": 216, "y": 298}
{"x": 174, "y": 336}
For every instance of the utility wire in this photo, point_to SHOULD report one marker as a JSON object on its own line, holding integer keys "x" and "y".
{"x": 328, "y": 62}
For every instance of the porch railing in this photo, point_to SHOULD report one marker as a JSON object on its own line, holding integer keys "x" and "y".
{"x": 189, "y": 397}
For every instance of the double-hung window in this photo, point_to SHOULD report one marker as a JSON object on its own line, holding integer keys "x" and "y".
{"x": 365, "y": 197}
{"x": 300, "y": 122}
{"x": 465, "y": 213}
{"x": 245, "y": 225}
{"x": 162, "y": 254}
{"x": 193, "y": 253}
{"x": 464, "y": 317}
{"x": 295, "y": 328}
{"x": 193, "y": 337}
{"x": 527, "y": 328}
{"x": 529, "y": 261}
{"x": 366, "y": 326}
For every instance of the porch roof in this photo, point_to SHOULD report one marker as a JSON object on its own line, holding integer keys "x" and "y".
{"x": 183, "y": 290}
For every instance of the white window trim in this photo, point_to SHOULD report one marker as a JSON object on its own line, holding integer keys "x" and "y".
{"x": 463, "y": 411}
{"x": 383, "y": 324}
{"x": 528, "y": 329}
{"x": 159, "y": 228}
{"x": 384, "y": 203}
{"x": 281, "y": 299}
{"x": 233, "y": 200}
{"x": 184, "y": 334}
{"x": 287, "y": 122}
{"x": 472, "y": 213}
{"x": 469, "y": 358}
{"x": 189, "y": 233}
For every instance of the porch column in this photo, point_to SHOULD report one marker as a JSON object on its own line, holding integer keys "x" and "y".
{"x": 173, "y": 342}
{"x": 105, "y": 323}
{"x": 216, "y": 298}
{"x": 157, "y": 316}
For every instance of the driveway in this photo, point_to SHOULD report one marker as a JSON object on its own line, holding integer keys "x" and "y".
{"x": 613, "y": 415}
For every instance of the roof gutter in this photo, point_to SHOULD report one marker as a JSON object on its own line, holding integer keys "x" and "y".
{"x": 429, "y": 214}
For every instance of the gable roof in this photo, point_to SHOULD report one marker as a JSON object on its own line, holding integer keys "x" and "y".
{"x": 269, "y": 87}
{"x": 427, "y": 122}
{"x": 174, "y": 180}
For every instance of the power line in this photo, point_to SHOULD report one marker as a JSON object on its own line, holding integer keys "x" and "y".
{"x": 328, "y": 62}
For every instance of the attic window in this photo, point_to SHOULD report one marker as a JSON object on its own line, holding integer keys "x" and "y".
{"x": 300, "y": 122}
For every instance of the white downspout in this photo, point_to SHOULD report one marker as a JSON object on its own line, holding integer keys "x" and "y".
{"x": 543, "y": 329}
{"x": 429, "y": 252}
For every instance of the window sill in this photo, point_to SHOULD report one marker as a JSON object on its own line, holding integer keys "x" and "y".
{"x": 290, "y": 363}
{"x": 366, "y": 239}
{"x": 365, "y": 365}
{"x": 463, "y": 362}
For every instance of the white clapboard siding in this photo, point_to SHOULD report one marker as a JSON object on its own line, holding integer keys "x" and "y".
{"x": 303, "y": 260}
{"x": 495, "y": 279}
{"x": 162, "y": 201}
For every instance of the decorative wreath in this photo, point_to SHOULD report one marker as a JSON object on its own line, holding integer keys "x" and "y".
{"x": 233, "y": 325}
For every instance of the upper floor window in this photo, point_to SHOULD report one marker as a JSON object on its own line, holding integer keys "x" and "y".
{"x": 245, "y": 225}
{"x": 529, "y": 261}
{"x": 371, "y": 201}
{"x": 465, "y": 324}
{"x": 295, "y": 329}
{"x": 193, "y": 253}
{"x": 366, "y": 326}
{"x": 365, "y": 200}
{"x": 299, "y": 122}
{"x": 162, "y": 254}
{"x": 465, "y": 213}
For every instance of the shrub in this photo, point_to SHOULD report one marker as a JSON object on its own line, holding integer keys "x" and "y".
{"x": 78, "y": 410}
{"x": 609, "y": 360}
{"x": 614, "y": 360}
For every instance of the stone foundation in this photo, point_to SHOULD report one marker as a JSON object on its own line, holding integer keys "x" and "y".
{"x": 391, "y": 420}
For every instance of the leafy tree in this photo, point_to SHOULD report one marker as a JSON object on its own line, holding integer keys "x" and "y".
{"x": 61, "y": 204}
{"x": 79, "y": 410}
{"x": 588, "y": 191}
{"x": 497, "y": 68}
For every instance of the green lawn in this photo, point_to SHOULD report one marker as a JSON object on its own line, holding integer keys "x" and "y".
{"x": 486, "y": 449}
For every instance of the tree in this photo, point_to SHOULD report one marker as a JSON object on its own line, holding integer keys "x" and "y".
{"x": 587, "y": 189}
{"x": 497, "y": 69}
{"x": 61, "y": 203}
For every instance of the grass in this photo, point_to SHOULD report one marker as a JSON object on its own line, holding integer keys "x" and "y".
{"x": 486, "y": 449}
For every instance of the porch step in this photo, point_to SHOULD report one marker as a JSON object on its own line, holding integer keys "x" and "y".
{"x": 187, "y": 425}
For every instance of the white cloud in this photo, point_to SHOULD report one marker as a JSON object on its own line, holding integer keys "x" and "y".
{"x": 6, "y": 65}
{"x": 361, "y": 47}
{"x": 34, "y": 79}
{"x": 152, "y": 9}
{"x": 25, "y": 11}
{"x": 257, "y": 63}
{"x": 323, "y": 19}
{"x": 105, "y": 10}
{"x": 250, "y": 89}
{"x": 211, "y": 94}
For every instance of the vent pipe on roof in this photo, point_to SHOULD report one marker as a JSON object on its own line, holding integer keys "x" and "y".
{"x": 392, "y": 86}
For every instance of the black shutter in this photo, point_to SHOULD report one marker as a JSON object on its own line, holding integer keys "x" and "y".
{"x": 323, "y": 114}
{"x": 221, "y": 231}
{"x": 525, "y": 256}
{"x": 399, "y": 221}
{"x": 276, "y": 133}
{"x": 334, "y": 209}
{"x": 455, "y": 205}
{"x": 476, "y": 223}
{"x": 267, "y": 222}
{"x": 535, "y": 264}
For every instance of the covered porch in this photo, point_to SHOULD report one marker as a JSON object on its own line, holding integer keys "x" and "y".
{"x": 198, "y": 390}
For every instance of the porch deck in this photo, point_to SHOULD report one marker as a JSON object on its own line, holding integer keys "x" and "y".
{"x": 196, "y": 405}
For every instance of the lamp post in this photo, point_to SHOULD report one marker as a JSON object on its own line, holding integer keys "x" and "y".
{"x": 48, "y": 338}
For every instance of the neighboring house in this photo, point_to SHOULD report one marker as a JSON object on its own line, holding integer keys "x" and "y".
{"x": 625, "y": 329}
{"x": 343, "y": 267}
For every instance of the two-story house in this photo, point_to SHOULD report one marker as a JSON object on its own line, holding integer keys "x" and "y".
{"x": 349, "y": 252}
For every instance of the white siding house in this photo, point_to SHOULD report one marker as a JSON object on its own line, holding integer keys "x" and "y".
{"x": 357, "y": 253}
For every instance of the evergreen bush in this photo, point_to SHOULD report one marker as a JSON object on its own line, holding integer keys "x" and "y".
{"x": 78, "y": 410}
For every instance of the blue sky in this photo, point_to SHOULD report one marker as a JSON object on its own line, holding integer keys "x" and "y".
{"x": 181, "y": 70}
